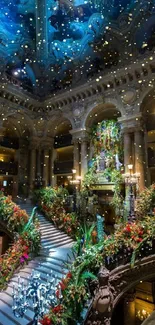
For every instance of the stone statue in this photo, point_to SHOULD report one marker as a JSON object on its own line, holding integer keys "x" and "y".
{"x": 118, "y": 164}
{"x": 103, "y": 299}
{"x": 101, "y": 162}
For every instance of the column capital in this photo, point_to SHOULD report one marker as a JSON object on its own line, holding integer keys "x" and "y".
{"x": 80, "y": 135}
{"x": 47, "y": 143}
{"x": 131, "y": 123}
{"x": 34, "y": 143}
{"x": 23, "y": 143}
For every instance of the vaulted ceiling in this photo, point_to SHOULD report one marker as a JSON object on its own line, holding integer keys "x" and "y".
{"x": 50, "y": 45}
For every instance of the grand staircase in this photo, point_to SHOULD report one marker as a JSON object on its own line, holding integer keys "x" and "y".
{"x": 56, "y": 246}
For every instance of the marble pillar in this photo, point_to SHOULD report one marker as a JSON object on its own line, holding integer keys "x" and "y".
{"x": 139, "y": 157}
{"x": 39, "y": 163}
{"x": 76, "y": 157}
{"x": 32, "y": 167}
{"x": 127, "y": 150}
{"x": 51, "y": 169}
{"x": 84, "y": 158}
{"x": 23, "y": 159}
{"x": 46, "y": 167}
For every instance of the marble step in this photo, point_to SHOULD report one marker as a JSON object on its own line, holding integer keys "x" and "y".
{"x": 52, "y": 257}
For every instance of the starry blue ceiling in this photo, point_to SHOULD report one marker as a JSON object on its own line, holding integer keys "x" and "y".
{"x": 75, "y": 38}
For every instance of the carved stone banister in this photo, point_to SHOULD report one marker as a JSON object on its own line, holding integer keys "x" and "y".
{"x": 116, "y": 284}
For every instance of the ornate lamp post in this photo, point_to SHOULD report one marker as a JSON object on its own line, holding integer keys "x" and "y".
{"x": 37, "y": 294}
{"x": 131, "y": 180}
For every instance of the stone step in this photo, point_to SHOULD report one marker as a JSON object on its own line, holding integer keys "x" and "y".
{"x": 6, "y": 310}
{"x": 56, "y": 241}
{"x": 5, "y": 320}
{"x": 52, "y": 257}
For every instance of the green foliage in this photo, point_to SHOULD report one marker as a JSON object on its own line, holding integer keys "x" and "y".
{"x": 27, "y": 240}
{"x": 117, "y": 200}
{"x": 51, "y": 202}
{"x": 146, "y": 201}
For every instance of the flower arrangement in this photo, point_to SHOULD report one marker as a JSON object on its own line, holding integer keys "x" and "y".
{"x": 27, "y": 242}
{"x": 12, "y": 215}
{"x": 51, "y": 202}
{"x": 146, "y": 201}
{"x": 127, "y": 240}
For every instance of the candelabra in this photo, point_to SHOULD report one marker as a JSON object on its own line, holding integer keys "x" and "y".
{"x": 131, "y": 180}
{"x": 36, "y": 294}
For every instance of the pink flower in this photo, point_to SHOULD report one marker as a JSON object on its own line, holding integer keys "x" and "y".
{"x": 22, "y": 260}
{"x": 25, "y": 255}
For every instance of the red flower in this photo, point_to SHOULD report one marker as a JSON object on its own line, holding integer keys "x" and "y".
{"x": 46, "y": 321}
{"x": 127, "y": 229}
{"x": 25, "y": 256}
{"x": 139, "y": 240}
{"x": 69, "y": 275}
{"x": 62, "y": 285}
{"x": 57, "y": 309}
{"x": 57, "y": 294}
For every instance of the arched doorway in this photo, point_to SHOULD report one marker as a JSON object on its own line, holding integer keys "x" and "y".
{"x": 136, "y": 305}
{"x": 103, "y": 116}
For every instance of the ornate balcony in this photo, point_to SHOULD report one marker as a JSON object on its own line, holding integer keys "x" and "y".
{"x": 63, "y": 167}
{"x": 8, "y": 168}
{"x": 63, "y": 141}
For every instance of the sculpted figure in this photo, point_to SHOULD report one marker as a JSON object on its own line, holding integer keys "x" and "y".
{"x": 103, "y": 296}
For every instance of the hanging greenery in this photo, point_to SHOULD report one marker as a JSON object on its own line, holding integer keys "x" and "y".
{"x": 107, "y": 141}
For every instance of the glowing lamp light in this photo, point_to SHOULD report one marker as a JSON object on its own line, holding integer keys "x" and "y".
{"x": 130, "y": 166}
{"x": 74, "y": 171}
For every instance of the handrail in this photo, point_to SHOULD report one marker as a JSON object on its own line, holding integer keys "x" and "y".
{"x": 31, "y": 219}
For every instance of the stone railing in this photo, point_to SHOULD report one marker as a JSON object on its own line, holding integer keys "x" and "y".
{"x": 115, "y": 279}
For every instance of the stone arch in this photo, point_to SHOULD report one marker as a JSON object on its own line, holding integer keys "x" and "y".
{"x": 102, "y": 110}
{"x": 56, "y": 124}
{"x": 125, "y": 278}
{"x": 25, "y": 123}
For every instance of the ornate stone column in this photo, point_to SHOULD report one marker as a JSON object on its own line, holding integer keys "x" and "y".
{"x": 129, "y": 309}
{"x": 76, "y": 156}
{"x": 41, "y": 30}
{"x": 84, "y": 158}
{"x": 127, "y": 150}
{"x": 46, "y": 166}
{"x": 23, "y": 167}
{"x": 47, "y": 147}
{"x": 39, "y": 162}
{"x": 33, "y": 146}
{"x": 51, "y": 163}
{"x": 139, "y": 157}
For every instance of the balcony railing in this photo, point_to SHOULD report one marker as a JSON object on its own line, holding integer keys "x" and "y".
{"x": 8, "y": 168}
{"x": 63, "y": 167}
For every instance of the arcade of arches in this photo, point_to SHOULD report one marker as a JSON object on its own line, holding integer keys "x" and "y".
{"x": 77, "y": 115}
{"x": 44, "y": 151}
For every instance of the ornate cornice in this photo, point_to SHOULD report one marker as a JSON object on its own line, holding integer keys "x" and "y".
{"x": 121, "y": 81}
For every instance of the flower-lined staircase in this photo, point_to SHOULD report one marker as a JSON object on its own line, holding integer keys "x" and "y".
{"x": 56, "y": 246}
